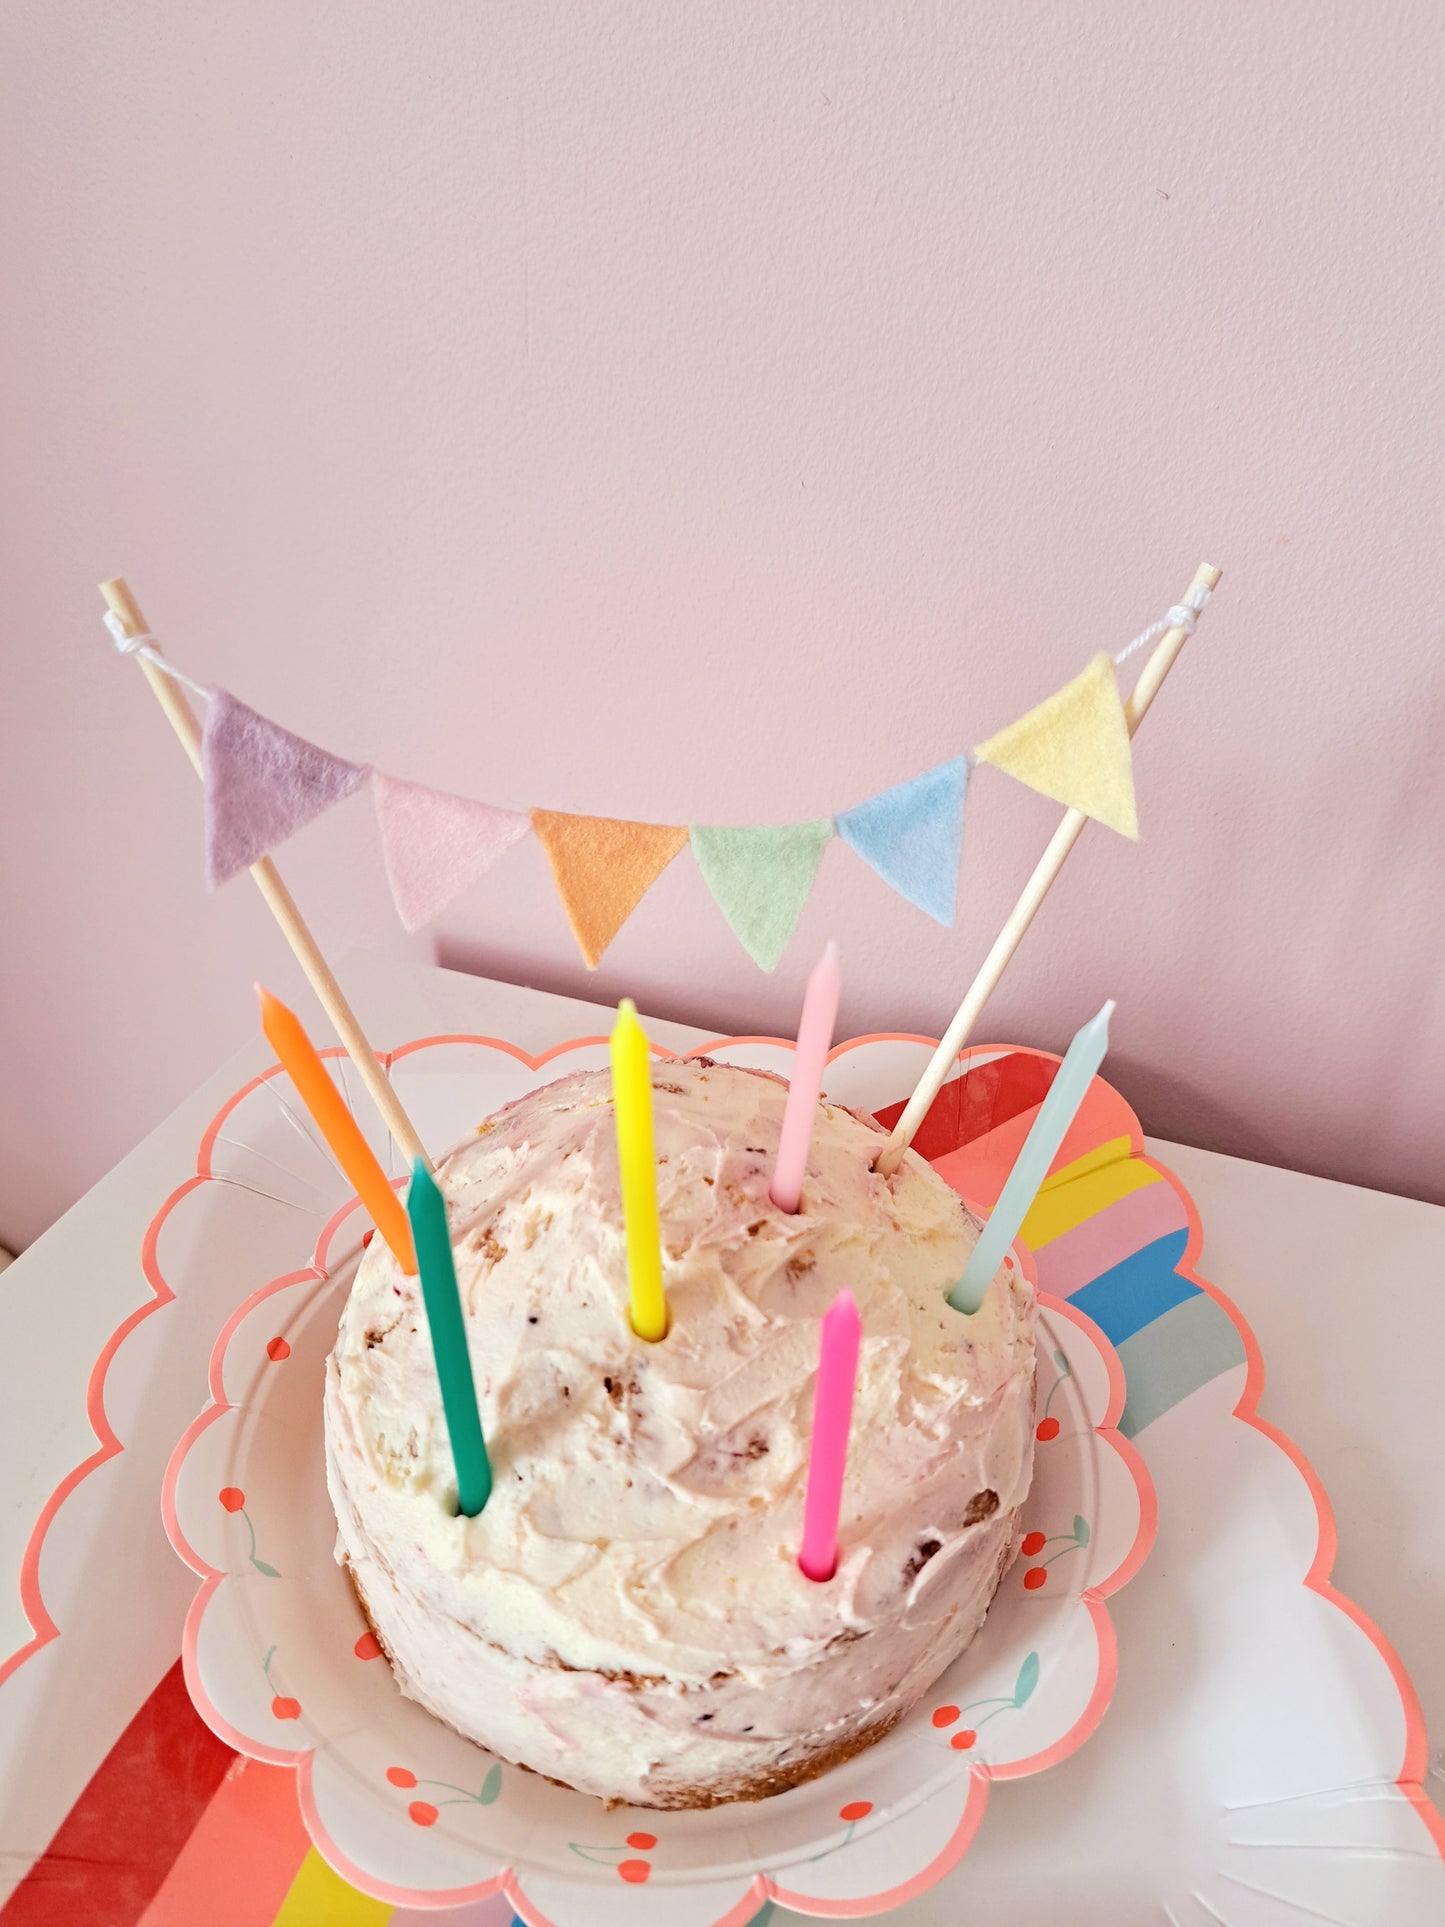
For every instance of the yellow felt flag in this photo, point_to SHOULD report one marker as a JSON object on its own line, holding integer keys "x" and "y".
{"x": 1075, "y": 748}
{"x": 601, "y": 866}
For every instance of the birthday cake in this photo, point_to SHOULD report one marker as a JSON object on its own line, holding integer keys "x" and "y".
{"x": 627, "y": 1614}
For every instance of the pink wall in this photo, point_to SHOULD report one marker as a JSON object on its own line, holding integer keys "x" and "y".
{"x": 557, "y": 403}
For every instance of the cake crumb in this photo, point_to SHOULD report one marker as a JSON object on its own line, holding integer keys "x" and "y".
{"x": 920, "y": 1556}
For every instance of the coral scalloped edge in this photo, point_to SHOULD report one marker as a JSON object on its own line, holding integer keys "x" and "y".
{"x": 1413, "y": 1767}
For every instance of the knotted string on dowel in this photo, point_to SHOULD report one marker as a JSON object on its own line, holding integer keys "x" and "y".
{"x": 132, "y": 634}
{"x": 1181, "y": 622}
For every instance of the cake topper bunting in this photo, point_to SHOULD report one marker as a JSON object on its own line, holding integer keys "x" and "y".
{"x": 263, "y": 783}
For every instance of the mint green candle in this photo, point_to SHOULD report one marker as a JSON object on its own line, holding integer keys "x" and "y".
{"x": 427, "y": 1209}
{"x": 1057, "y": 1112}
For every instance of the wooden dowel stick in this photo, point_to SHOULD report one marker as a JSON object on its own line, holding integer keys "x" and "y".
{"x": 1160, "y": 662}
{"x": 182, "y": 719}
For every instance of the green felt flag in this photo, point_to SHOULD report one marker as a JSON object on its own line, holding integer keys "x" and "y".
{"x": 761, "y": 879}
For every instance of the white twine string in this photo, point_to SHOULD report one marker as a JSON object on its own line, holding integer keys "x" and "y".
{"x": 1184, "y": 615}
{"x": 144, "y": 645}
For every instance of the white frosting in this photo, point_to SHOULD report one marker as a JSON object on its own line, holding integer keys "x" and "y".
{"x": 627, "y": 1614}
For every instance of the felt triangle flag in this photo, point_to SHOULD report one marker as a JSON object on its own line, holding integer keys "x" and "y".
{"x": 434, "y": 844}
{"x": 1075, "y": 748}
{"x": 601, "y": 866}
{"x": 912, "y": 834}
{"x": 262, "y": 784}
{"x": 761, "y": 879}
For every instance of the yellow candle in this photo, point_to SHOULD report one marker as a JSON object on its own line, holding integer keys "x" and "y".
{"x": 632, "y": 1100}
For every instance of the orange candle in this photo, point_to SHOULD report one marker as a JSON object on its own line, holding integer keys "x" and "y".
{"x": 331, "y": 1117}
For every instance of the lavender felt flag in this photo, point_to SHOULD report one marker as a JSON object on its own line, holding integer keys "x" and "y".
{"x": 912, "y": 834}
{"x": 262, "y": 784}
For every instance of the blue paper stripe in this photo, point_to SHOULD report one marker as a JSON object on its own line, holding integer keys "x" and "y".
{"x": 1133, "y": 1294}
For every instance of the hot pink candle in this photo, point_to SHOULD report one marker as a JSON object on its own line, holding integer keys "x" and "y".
{"x": 832, "y": 1419}
{"x": 815, "y": 1038}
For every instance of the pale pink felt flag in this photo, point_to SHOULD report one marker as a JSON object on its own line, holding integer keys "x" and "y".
{"x": 262, "y": 784}
{"x": 435, "y": 844}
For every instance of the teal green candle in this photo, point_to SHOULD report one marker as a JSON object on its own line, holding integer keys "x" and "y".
{"x": 1057, "y": 1112}
{"x": 426, "y": 1207}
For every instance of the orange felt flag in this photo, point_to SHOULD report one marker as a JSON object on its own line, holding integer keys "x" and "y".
{"x": 602, "y": 866}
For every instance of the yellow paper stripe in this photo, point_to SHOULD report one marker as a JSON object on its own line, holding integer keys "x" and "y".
{"x": 320, "y": 1898}
{"x": 1059, "y": 1208}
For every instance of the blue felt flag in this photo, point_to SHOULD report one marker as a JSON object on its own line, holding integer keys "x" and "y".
{"x": 912, "y": 834}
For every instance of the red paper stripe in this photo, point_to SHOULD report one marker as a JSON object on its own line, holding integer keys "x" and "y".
{"x": 239, "y": 1863}
{"x": 970, "y": 1106}
{"x": 115, "y": 1847}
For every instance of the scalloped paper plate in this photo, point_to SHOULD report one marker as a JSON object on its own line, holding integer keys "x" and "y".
{"x": 281, "y": 1665}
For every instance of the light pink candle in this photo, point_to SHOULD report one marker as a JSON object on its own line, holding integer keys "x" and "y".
{"x": 805, "y": 1087}
{"x": 832, "y": 1419}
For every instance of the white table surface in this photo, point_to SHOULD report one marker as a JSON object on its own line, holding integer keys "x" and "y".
{"x": 1345, "y": 1289}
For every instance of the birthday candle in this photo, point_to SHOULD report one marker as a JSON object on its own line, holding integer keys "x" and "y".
{"x": 428, "y": 1212}
{"x": 333, "y": 1119}
{"x": 1057, "y": 1112}
{"x": 632, "y": 1101}
{"x": 828, "y": 1453}
{"x": 805, "y": 1086}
